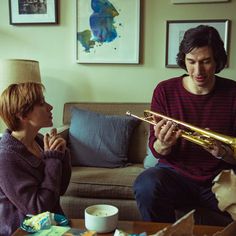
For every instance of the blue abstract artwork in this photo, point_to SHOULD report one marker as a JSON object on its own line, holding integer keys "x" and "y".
{"x": 107, "y": 31}
{"x": 101, "y": 21}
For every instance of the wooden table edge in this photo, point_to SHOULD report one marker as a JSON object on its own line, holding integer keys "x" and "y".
{"x": 138, "y": 227}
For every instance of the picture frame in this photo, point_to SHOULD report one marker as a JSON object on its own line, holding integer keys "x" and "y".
{"x": 24, "y": 12}
{"x": 197, "y": 1}
{"x": 175, "y": 30}
{"x": 112, "y": 38}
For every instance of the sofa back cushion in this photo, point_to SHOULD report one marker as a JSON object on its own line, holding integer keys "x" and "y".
{"x": 138, "y": 144}
{"x": 100, "y": 140}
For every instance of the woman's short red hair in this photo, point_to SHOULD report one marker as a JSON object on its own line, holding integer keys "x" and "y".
{"x": 18, "y": 100}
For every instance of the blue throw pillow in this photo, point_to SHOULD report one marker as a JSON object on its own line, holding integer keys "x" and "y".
{"x": 100, "y": 140}
{"x": 149, "y": 160}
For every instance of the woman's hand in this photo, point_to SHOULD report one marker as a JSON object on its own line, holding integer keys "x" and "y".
{"x": 54, "y": 142}
{"x": 167, "y": 135}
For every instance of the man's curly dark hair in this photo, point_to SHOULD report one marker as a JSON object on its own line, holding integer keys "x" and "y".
{"x": 202, "y": 35}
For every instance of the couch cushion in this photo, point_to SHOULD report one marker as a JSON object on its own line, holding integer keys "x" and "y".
{"x": 137, "y": 148}
{"x": 138, "y": 144}
{"x": 150, "y": 160}
{"x": 103, "y": 183}
{"x": 74, "y": 207}
{"x": 100, "y": 140}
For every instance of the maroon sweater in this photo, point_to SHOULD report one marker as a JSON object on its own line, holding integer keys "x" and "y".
{"x": 216, "y": 111}
{"x": 29, "y": 185}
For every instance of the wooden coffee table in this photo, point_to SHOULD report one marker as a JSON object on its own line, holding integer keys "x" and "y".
{"x": 139, "y": 227}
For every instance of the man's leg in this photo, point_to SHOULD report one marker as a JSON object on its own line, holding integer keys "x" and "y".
{"x": 208, "y": 200}
{"x": 159, "y": 190}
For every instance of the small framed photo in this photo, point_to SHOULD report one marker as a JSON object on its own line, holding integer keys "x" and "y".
{"x": 175, "y": 31}
{"x": 33, "y": 12}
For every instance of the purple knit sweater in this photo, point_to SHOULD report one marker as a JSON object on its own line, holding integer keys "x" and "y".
{"x": 216, "y": 111}
{"x": 29, "y": 185}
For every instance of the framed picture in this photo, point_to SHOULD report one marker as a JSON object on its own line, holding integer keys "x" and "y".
{"x": 33, "y": 12}
{"x": 107, "y": 31}
{"x": 197, "y": 1}
{"x": 175, "y": 31}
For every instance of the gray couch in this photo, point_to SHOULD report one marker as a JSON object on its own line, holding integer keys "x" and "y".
{"x": 93, "y": 185}
{"x": 96, "y": 185}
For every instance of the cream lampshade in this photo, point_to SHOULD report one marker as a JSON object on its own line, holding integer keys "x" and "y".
{"x": 15, "y": 71}
{"x": 18, "y": 71}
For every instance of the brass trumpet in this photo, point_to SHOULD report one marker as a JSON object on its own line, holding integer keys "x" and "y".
{"x": 202, "y": 137}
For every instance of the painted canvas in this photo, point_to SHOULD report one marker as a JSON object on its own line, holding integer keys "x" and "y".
{"x": 107, "y": 31}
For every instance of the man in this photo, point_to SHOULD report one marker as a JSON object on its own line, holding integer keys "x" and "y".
{"x": 183, "y": 177}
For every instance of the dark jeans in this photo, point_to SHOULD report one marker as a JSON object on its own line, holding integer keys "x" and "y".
{"x": 160, "y": 190}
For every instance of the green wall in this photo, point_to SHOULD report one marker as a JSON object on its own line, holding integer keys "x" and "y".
{"x": 65, "y": 80}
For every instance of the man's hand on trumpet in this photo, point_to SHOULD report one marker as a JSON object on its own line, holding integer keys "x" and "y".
{"x": 221, "y": 151}
{"x": 166, "y": 134}
{"x": 217, "y": 150}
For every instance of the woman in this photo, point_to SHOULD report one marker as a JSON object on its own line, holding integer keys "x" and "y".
{"x": 34, "y": 173}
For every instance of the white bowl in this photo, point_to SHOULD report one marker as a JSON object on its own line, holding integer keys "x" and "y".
{"x": 101, "y": 218}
